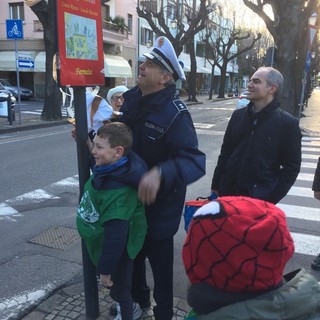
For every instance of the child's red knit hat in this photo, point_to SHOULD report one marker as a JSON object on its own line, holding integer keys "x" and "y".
{"x": 238, "y": 244}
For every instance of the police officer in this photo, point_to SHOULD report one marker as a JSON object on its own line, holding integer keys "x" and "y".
{"x": 164, "y": 136}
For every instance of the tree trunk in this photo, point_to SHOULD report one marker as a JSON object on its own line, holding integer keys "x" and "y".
{"x": 290, "y": 62}
{"x": 211, "y": 82}
{"x": 192, "y": 88}
{"x": 46, "y": 13}
{"x": 223, "y": 79}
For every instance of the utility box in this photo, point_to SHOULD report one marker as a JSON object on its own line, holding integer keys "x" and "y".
{"x": 3, "y": 104}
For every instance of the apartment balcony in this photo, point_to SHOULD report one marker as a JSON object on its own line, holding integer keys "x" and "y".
{"x": 113, "y": 32}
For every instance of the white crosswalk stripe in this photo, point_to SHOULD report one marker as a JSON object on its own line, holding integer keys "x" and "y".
{"x": 39, "y": 111}
{"x": 300, "y": 192}
{"x": 300, "y": 212}
{"x": 310, "y": 156}
{"x": 305, "y": 176}
{"x": 308, "y": 244}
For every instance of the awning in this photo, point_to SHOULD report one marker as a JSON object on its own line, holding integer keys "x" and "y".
{"x": 201, "y": 68}
{"x": 116, "y": 67}
{"x": 7, "y": 61}
{"x": 28, "y": 61}
{"x": 40, "y": 62}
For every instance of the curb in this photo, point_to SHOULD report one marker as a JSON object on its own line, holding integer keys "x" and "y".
{"x": 30, "y": 126}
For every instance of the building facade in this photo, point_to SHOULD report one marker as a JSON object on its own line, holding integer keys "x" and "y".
{"x": 119, "y": 22}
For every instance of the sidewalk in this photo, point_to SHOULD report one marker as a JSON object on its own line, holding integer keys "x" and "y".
{"x": 69, "y": 301}
{"x": 310, "y": 117}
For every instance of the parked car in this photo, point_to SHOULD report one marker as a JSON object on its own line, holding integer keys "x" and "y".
{"x": 243, "y": 100}
{"x": 4, "y": 94}
{"x": 25, "y": 93}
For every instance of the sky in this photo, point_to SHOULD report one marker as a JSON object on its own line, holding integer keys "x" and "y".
{"x": 244, "y": 15}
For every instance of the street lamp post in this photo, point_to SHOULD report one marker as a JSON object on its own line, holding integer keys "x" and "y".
{"x": 312, "y": 30}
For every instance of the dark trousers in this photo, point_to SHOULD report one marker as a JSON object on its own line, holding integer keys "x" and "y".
{"x": 160, "y": 255}
{"x": 121, "y": 289}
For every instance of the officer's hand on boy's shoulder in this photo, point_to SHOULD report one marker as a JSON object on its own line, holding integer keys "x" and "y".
{"x": 149, "y": 186}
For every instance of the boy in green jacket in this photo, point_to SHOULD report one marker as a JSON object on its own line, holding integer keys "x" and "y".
{"x": 111, "y": 218}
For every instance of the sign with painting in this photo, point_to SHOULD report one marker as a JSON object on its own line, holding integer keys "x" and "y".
{"x": 81, "y": 59}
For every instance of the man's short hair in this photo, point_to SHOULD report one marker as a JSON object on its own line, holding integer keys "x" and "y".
{"x": 274, "y": 77}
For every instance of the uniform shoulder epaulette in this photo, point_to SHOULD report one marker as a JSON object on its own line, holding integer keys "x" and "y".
{"x": 180, "y": 105}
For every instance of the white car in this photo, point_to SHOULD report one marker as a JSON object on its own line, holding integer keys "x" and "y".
{"x": 4, "y": 95}
{"x": 243, "y": 101}
{"x": 25, "y": 93}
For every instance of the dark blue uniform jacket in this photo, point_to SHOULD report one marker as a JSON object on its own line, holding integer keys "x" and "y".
{"x": 164, "y": 136}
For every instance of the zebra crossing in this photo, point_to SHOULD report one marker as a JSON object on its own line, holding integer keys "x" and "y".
{"x": 299, "y": 204}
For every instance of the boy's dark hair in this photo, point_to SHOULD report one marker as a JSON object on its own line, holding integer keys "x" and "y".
{"x": 118, "y": 134}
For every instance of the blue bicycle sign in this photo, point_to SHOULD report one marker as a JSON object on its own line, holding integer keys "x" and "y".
{"x": 14, "y": 29}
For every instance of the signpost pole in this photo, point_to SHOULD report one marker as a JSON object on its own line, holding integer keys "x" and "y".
{"x": 18, "y": 77}
{"x": 89, "y": 270}
{"x": 14, "y": 31}
{"x": 80, "y": 66}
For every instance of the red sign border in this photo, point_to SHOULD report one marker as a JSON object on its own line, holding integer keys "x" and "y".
{"x": 79, "y": 72}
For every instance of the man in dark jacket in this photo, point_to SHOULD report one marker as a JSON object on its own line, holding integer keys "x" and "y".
{"x": 165, "y": 138}
{"x": 261, "y": 152}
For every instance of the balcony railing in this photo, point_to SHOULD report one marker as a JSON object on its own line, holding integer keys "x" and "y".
{"x": 37, "y": 26}
{"x": 110, "y": 26}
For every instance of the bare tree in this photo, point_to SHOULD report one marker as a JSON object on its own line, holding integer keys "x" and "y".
{"x": 288, "y": 26}
{"x": 190, "y": 20}
{"x": 221, "y": 38}
{"x": 45, "y": 11}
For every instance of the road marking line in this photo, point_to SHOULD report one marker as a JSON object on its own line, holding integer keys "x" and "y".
{"x": 311, "y": 139}
{"x": 301, "y": 192}
{"x": 203, "y": 125}
{"x": 310, "y": 156}
{"x": 70, "y": 181}
{"x": 310, "y": 149}
{"x": 304, "y": 213}
{"x": 305, "y": 177}
{"x": 8, "y": 213}
{"x": 37, "y": 195}
{"x": 10, "y": 306}
{"x": 306, "y": 243}
{"x": 6, "y": 210}
{"x": 311, "y": 165}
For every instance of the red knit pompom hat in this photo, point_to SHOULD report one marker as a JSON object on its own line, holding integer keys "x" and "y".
{"x": 238, "y": 244}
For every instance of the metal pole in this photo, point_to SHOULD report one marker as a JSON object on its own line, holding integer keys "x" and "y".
{"x": 9, "y": 109}
{"x": 89, "y": 270}
{"x": 302, "y": 94}
{"x": 18, "y": 78}
{"x": 272, "y": 56}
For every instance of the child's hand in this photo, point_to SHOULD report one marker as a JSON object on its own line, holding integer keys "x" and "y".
{"x": 105, "y": 280}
